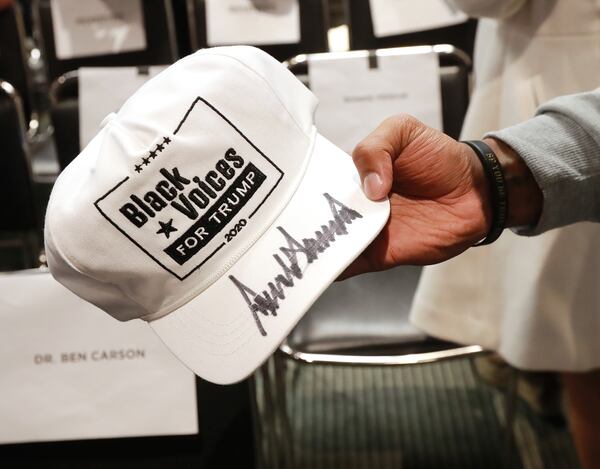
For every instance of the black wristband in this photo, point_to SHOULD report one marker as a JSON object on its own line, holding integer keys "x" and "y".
{"x": 498, "y": 190}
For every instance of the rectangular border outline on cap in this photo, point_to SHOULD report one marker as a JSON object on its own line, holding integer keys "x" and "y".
{"x": 175, "y": 133}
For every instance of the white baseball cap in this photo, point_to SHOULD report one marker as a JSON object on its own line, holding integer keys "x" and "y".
{"x": 211, "y": 208}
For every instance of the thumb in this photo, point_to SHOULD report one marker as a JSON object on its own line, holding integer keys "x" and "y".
{"x": 374, "y": 156}
{"x": 374, "y": 165}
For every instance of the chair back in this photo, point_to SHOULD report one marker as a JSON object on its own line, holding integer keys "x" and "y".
{"x": 454, "y": 79}
{"x": 161, "y": 46}
{"x": 314, "y": 24}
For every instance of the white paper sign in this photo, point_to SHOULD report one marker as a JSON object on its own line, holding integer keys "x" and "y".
{"x": 98, "y": 95}
{"x": 392, "y": 17}
{"x": 97, "y": 27}
{"x": 70, "y": 371}
{"x": 253, "y": 22}
{"x": 354, "y": 99}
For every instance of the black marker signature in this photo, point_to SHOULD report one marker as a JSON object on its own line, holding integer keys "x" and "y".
{"x": 267, "y": 303}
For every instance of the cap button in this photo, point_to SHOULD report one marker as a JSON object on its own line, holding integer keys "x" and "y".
{"x": 107, "y": 119}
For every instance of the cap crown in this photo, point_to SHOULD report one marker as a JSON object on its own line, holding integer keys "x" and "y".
{"x": 192, "y": 170}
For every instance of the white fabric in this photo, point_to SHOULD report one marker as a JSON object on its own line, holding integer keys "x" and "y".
{"x": 533, "y": 300}
{"x": 180, "y": 188}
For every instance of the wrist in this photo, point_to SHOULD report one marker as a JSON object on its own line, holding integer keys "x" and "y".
{"x": 481, "y": 192}
{"x": 497, "y": 190}
{"x": 525, "y": 199}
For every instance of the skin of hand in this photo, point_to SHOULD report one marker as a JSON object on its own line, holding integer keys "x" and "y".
{"x": 438, "y": 193}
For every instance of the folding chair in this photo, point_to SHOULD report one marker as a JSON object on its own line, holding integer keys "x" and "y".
{"x": 13, "y": 56}
{"x": 18, "y": 222}
{"x": 161, "y": 44}
{"x": 64, "y": 89}
{"x": 363, "y": 321}
{"x": 362, "y": 35}
{"x": 314, "y": 24}
{"x": 454, "y": 79}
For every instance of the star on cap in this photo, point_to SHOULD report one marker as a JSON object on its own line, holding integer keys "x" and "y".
{"x": 166, "y": 228}
{"x": 146, "y": 161}
{"x": 138, "y": 168}
{"x": 160, "y": 147}
{"x": 166, "y": 140}
{"x": 152, "y": 154}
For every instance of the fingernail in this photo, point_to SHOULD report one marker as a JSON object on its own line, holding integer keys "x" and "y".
{"x": 372, "y": 186}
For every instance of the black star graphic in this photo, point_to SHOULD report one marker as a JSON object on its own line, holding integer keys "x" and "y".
{"x": 166, "y": 228}
{"x": 138, "y": 168}
{"x": 146, "y": 161}
{"x": 166, "y": 140}
{"x": 152, "y": 154}
{"x": 160, "y": 147}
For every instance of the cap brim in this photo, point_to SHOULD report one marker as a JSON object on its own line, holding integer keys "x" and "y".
{"x": 232, "y": 327}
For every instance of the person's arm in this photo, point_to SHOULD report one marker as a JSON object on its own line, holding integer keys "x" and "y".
{"x": 561, "y": 148}
{"x": 440, "y": 196}
{"x": 499, "y": 9}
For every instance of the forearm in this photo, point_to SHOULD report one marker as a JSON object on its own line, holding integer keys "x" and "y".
{"x": 553, "y": 164}
{"x": 499, "y": 9}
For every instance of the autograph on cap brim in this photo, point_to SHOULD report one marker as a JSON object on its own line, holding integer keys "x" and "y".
{"x": 267, "y": 303}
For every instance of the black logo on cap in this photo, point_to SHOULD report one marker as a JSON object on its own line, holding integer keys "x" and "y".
{"x": 209, "y": 201}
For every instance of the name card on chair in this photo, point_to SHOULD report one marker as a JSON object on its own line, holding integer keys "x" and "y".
{"x": 69, "y": 371}
{"x": 252, "y": 22}
{"x": 97, "y": 27}
{"x": 393, "y": 17}
{"x": 356, "y": 93}
{"x": 98, "y": 95}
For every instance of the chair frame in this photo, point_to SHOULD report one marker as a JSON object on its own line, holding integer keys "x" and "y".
{"x": 26, "y": 240}
{"x": 448, "y": 54}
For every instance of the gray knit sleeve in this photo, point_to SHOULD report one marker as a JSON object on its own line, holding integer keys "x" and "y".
{"x": 561, "y": 146}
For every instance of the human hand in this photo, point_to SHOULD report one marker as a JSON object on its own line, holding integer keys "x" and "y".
{"x": 438, "y": 195}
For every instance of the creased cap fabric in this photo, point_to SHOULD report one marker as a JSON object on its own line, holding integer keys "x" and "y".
{"x": 210, "y": 207}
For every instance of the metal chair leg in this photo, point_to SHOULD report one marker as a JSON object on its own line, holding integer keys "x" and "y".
{"x": 286, "y": 432}
{"x": 269, "y": 418}
{"x": 256, "y": 423}
{"x": 510, "y": 409}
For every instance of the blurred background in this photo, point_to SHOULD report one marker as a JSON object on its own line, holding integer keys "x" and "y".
{"x": 355, "y": 385}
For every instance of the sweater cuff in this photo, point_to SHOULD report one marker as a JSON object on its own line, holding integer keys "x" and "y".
{"x": 554, "y": 147}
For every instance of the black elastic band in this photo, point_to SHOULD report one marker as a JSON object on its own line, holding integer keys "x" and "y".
{"x": 498, "y": 191}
